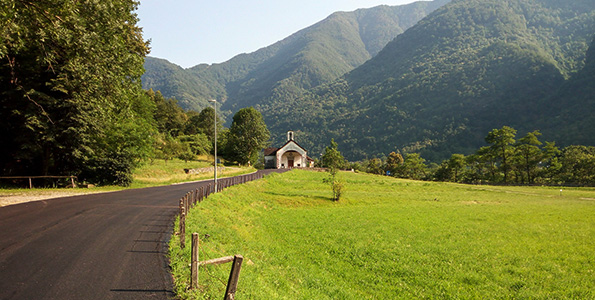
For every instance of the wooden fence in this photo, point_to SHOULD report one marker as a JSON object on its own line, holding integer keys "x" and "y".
{"x": 191, "y": 199}
{"x": 30, "y": 178}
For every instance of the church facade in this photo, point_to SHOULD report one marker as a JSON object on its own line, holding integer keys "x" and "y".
{"x": 290, "y": 155}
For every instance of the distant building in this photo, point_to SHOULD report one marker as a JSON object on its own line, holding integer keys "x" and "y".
{"x": 290, "y": 155}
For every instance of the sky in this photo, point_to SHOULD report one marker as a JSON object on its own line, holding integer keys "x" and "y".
{"x": 191, "y": 32}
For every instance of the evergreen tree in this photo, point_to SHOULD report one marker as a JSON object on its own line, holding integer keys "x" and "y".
{"x": 502, "y": 141}
{"x": 529, "y": 155}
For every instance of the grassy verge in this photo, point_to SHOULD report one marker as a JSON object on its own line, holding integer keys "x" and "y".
{"x": 393, "y": 239}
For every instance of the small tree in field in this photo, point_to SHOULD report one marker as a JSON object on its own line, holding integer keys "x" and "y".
{"x": 333, "y": 160}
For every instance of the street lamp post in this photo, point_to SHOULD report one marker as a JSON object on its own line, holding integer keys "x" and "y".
{"x": 215, "y": 105}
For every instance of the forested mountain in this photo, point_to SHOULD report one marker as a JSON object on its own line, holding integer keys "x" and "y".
{"x": 315, "y": 55}
{"x": 572, "y": 108}
{"x": 469, "y": 67}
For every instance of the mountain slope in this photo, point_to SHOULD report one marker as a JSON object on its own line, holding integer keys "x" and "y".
{"x": 572, "y": 108}
{"x": 438, "y": 88}
{"x": 308, "y": 58}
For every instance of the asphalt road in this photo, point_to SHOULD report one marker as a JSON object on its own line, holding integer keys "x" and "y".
{"x": 101, "y": 246}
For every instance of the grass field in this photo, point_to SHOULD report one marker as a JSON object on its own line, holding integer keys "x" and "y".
{"x": 393, "y": 239}
{"x": 160, "y": 172}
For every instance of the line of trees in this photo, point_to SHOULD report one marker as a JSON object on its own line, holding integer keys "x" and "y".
{"x": 505, "y": 160}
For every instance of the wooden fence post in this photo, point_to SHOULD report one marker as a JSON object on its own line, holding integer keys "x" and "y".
{"x": 181, "y": 207}
{"x": 183, "y": 230}
{"x": 234, "y": 276}
{"x": 194, "y": 263}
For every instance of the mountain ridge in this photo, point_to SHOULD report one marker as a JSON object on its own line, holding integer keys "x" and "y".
{"x": 438, "y": 88}
{"x": 312, "y": 56}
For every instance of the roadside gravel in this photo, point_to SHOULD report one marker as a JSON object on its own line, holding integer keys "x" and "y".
{"x": 16, "y": 198}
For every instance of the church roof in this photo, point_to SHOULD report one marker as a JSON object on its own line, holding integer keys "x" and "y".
{"x": 273, "y": 150}
{"x": 270, "y": 151}
{"x": 292, "y": 141}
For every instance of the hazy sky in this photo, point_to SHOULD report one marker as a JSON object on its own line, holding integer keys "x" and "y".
{"x": 190, "y": 32}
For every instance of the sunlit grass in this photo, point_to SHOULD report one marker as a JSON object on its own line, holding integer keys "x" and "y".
{"x": 160, "y": 172}
{"x": 394, "y": 239}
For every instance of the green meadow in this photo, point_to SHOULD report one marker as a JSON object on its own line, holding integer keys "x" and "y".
{"x": 392, "y": 239}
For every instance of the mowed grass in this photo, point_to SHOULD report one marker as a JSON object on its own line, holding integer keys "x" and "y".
{"x": 392, "y": 239}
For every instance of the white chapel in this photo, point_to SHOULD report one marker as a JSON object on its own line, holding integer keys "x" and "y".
{"x": 290, "y": 155}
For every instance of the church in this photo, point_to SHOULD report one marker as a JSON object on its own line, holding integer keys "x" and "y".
{"x": 290, "y": 155}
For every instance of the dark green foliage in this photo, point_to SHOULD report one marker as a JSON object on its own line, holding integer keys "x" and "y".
{"x": 578, "y": 165}
{"x": 169, "y": 117}
{"x": 248, "y": 135}
{"x": 70, "y": 93}
{"x": 204, "y": 123}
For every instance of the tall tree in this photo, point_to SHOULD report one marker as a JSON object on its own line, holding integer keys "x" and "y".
{"x": 248, "y": 135}
{"x": 70, "y": 89}
{"x": 204, "y": 123}
{"x": 529, "y": 154}
{"x": 502, "y": 141}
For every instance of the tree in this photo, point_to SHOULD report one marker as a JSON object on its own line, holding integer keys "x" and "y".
{"x": 248, "y": 135}
{"x": 529, "y": 155}
{"x": 70, "y": 89}
{"x": 551, "y": 163}
{"x": 169, "y": 117}
{"x": 501, "y": 141}
{"x": 332, "y": 158}
{"x": 374, "y": 166}
{"x": 204, "y": 123}
{"x": 451, "y": 169}
{"x": 334, "y": 161}
{"x": 198, "y": 144}
{"x": 413, "y": 167}
{"x": 394, "y": 162}
{"x": 578, "y": 165}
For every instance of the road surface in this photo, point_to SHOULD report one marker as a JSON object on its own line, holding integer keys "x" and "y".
{"x": 101, "y": 246}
